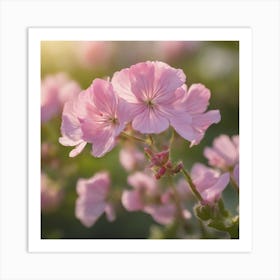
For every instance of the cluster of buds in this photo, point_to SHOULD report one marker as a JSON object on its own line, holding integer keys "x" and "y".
{"x": 161, "y": 164}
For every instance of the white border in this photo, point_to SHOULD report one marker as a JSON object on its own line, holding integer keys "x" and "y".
{"x": 262, "y": 262}
{"x": 243, "y": 35}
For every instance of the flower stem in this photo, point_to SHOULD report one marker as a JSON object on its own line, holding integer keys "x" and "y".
{"x": 191, "y": 184}
{"x": 129, "y": 136}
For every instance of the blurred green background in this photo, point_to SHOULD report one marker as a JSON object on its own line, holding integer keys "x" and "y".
{"x": 214, "y": 64}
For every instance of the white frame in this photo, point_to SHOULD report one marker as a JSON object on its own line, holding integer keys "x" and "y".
{"x": 262, "y": 16}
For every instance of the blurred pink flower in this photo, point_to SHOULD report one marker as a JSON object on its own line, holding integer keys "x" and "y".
{"x": 147, "y": 197}
{"x": 131, "y": 158}
{"x": 92, "y": 199}
{"x": 225, "y": 152}
{"x": 55, "y": 91}
{"x": 104, "y": 117}
{"x": 190, "y": 119}
{"x": 95, "y": 53}
{"x": 209, "y": 182}
{"x": 170, "y": 50}
{"x": 51, "y": 196}
{"x": 148, "y": 88}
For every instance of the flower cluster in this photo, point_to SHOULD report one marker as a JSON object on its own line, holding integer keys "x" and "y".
{"x": 150, "y": 95}
{"x": 139, "y": 102}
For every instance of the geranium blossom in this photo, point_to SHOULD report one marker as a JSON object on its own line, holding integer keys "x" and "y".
{"x": 104, "y": 119}
{"x": 209, "y": 182}
{"x": 96, "y": 116}
{"x": 92, "y": 201}
{"x": 149, "y": 87}
{"x": 190, "y": 119}
{"x": 225, "y": 152}
{"x": 147, "y": 197}
{"x": 55, "y": 91}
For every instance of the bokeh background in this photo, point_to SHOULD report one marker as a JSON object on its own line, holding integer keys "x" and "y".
{"x": 213, "y": 63}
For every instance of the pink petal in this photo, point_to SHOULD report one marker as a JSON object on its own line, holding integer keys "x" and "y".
{"x": 202, "y": 122}
{"x": 130, "y": 158}
{"x": 150, "y": 121}
{"x": 87, "y": 212}
{"x": 162, "y": 214}
{"x": 110, "y": 212}
{"x": 132, "y": 200}
{"x": 122, "y": 86}
{"x": 182, "y": 123}
{"x": 95, "y": 188}
{"x": 78, "y": 149}
{"x": 213, "y": 194}
{"x": 92, "y": 192}
{"x": 103, "y": 96}
{"x": 214, "y": 158}
{"x": 102, "y": 137}
{"x": 226, "y": 149}
{"x": 141, "y": 76}
{"x": 197, "y": 99}
{"x": 140, "y": 180}
{"x": 166, "y": 82}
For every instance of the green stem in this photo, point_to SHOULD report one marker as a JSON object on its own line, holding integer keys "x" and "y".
{"x": 192, "y": 185}
{"x": 134, "y": 137}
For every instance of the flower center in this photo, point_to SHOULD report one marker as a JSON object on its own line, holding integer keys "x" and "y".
{"x": 150, "y": 103}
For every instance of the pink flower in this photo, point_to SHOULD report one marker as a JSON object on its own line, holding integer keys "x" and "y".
{"x": 93, "y": 199}
{"x": 225, "y": 152}
{"x": 209, "y": 183}
{"x": 104, "y": 118}
{"x": 149, "y": 87}
{"x": 96, "y": 116}
{"x": 55, "y": 91}
{"x": 147, "y": 197}
{"x": 131, "y": 158}
{"x": 51, "y": 196}
{"x": 190, "y": 119}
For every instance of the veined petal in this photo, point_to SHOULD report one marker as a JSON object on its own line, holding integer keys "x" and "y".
{"x": 201, "y": 123}
{"x": 150, "y": 121}
{"x": 141, "y": 77}
{"x": 197, "y": 99}
{"x": 122, "y": 86}
{"x": 166, "y": 81}
{"x": 103, "y": 96}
